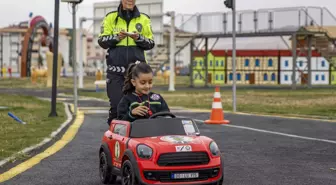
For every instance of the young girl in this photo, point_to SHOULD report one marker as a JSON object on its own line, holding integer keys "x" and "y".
{"x": 138, "y": 101}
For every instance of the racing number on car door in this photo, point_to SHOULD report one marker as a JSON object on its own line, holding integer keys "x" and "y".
{"x": 119, "y": 133}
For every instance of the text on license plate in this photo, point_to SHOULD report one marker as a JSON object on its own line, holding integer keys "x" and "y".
{"x": 184, "y": 175}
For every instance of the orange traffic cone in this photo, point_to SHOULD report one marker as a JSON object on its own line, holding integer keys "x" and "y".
{"x": 217, "y": 114}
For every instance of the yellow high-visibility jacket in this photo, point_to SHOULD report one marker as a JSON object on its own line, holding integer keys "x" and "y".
{"x": 123, "y": 52}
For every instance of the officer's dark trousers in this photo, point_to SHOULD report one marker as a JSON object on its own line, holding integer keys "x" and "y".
{"x": 114, "y": 85}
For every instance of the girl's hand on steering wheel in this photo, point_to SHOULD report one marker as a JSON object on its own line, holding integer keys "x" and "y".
{"x": 140, "y": 111}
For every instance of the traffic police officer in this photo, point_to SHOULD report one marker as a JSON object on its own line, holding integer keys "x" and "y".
{"x": 126, "y": 33}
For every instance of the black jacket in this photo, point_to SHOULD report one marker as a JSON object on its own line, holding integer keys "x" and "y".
{"x": 154, "y": 101}
{"x": 123, "y": 52}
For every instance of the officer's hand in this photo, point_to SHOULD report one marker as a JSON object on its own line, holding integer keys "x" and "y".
{"x": 135, "y": 36}
{"x": 122, "y": 35}
{"x": 140, "y": 111}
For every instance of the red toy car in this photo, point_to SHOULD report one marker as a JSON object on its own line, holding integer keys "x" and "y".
{"x": 159, "y": 151}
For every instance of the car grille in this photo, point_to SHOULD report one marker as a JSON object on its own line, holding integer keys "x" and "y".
{"x": 165, "y": 176}
{"x": 183, "y": 159}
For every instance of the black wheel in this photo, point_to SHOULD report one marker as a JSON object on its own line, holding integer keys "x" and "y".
{"x": 221, "y": 181}
{"x": 127, "y": 173}
{"x": 105, "y": 174}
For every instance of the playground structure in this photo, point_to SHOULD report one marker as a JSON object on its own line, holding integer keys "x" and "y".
{"x": 27, "y": 46}
{"x": 22, "y": 46}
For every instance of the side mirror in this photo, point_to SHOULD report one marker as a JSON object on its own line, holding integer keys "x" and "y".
{"x": 108, "y": 134}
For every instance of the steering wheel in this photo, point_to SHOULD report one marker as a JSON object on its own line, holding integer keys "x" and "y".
{"x": 162, "y": 114}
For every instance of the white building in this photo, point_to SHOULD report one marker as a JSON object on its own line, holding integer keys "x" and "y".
{"x": 319, "y": 68}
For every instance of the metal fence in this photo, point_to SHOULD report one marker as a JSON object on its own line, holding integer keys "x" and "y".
{"x": 254, "y": 21}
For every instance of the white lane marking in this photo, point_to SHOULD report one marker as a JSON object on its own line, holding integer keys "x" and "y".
{"x": 275, "y": 133}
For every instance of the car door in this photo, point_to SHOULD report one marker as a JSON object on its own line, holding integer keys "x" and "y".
{"x": 119, "y": 140}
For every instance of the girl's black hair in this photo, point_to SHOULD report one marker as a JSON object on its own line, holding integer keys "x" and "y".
{"x": 133, "y": 71}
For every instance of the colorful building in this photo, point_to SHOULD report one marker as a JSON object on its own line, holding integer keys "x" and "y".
{"x": 254, "y": 67}
{"x": 269, "y": 67}
{"x": 216, "y": 67}
{"x": 333, "y": 75}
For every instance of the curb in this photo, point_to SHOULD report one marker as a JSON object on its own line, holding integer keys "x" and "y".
{"x": 67, "y": 108}
{"x": 84, "y": 97}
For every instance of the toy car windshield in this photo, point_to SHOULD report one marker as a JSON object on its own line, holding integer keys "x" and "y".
{"x": 160, "y": 127}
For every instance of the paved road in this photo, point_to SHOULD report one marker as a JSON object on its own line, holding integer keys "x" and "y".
{"x": 252, "y": 155}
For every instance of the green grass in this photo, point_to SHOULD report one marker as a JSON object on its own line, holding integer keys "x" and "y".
{"x": 14, "y": 136}
{"x": 303, "y": 103}
{"x": 64, "y": 83}
{"x": 67, "y": 82}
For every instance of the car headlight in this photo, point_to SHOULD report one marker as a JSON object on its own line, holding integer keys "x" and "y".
{"x": 214, "y": 148}
{"x": 144, "y": 151}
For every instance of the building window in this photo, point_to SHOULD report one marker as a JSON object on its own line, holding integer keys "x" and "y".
{"x": 273, "y": 77}
{"x": 257, "y": 62}
{"x": 265, "y": 77}
{"x": 201, "y": 63}
{"x": 238, "y": 76}
{"x": 247, "y": 61}
{"x": 216, "y": 63}
{"x": 301, "y": 63}
{"x": 231, "y": 76}
{"x": 210, "y": 62}
{"x": 332, "y": 78}
{"x": 222, "y": 77}
{"x": 270, "y": 62}
{"x": 247, "y": 76}
{"x": 316, "y": 77}
{"x": 323, "y": 63}
{"x": 195, "y": 63}
{"x": 286, "y": 77}
{"x": 286, "y": 63}
{"x": 323, "y": 78}
{"x": 222, "y": 63}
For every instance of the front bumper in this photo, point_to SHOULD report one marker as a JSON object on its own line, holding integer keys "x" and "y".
{"x": 207, "y": 174}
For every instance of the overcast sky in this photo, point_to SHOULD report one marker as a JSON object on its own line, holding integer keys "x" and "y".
{"x": 14, "y": 11}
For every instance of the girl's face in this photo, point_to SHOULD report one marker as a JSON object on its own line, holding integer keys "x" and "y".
{"x": 143, "y": 84}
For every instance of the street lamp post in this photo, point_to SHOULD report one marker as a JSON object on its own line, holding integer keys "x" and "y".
{"x": 74, "y": 53}
{"x": 53, "y": 112}
{"x": 232, "y": 5}
{"x": 81, "y": 70}
{"x": 172, "y": 52}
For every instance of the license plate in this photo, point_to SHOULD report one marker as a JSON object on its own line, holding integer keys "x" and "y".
{"x": 184, "y": 175}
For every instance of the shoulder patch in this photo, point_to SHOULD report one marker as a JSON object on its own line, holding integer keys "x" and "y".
{"x": 145, "y": 15}
{"x": 155, "y": 96}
